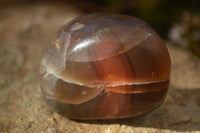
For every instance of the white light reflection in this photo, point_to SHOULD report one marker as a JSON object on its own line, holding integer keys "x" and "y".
{"x": 83, "y": 44}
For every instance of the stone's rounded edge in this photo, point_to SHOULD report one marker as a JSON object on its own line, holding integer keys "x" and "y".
{"x": 72, "y": 114}
{"x": 83, "y": 24}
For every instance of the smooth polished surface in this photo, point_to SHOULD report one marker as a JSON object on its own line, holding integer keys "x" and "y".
{"x": 105, "y": 66}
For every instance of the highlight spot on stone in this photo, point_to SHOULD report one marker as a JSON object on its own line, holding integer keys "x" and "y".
{"x": 57, "y": 43}
{"x": 77, "y": 26}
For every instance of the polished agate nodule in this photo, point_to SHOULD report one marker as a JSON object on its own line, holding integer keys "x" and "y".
{"x": 105, "y": 66}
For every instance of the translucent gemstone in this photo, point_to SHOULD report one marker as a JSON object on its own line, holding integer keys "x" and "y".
{"x": 105, "y": 66}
